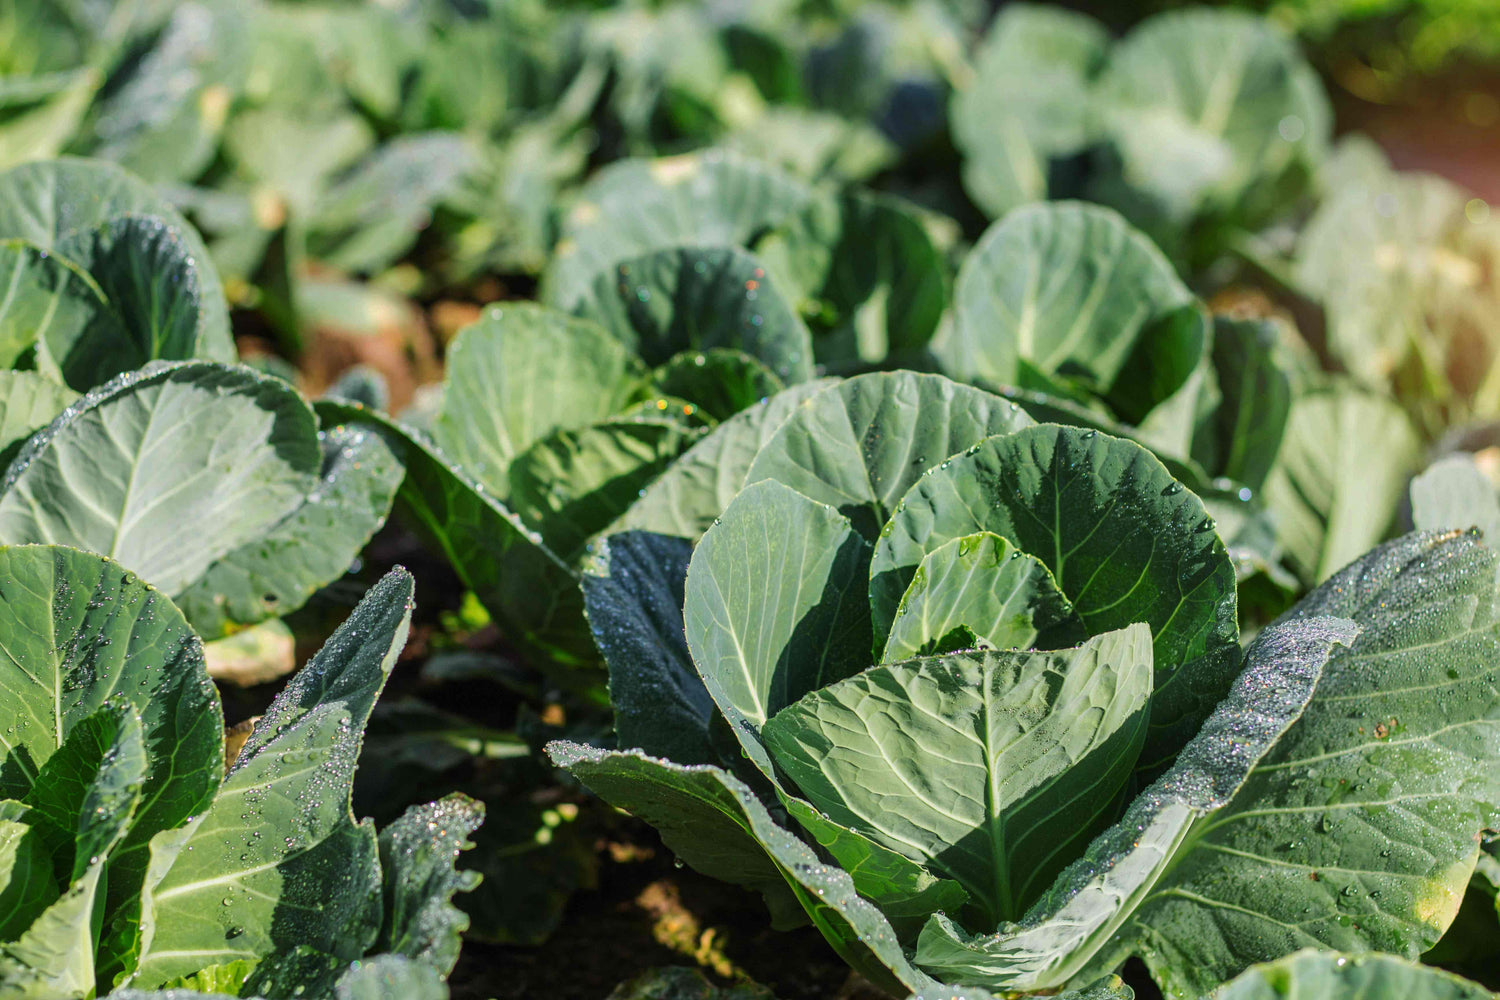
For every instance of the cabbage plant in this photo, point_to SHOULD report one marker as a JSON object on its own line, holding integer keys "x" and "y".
{"x": 129, "y": 855}
{"x": 1197, "y": 124}
{"x": 966, "y": 693}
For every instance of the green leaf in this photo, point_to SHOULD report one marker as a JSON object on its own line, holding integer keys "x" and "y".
{"x": 418, "y": 863}
{"x": 146, "y": 272}
{"x": 1385, "y": 256}
{"x": 1072, "y": 928}
{"x": 1358, "y": 831}
{"x": 774, "y": 606}
{"x": 305, "y": 971}
{"x": 905, "y": 892}
{"x": 1109, "y": 988}
{"x": 27, "y": 885}
{"x": 518, "y": 374}
{"x": 373, "y": 215}
{"x": 720, "y": 381}
{"x": 310, "y": 547}
{"x": 162, "y": 114}
{"x": 86, "y": 793}
{"x": 694, "y": 490}
{"x": 1332, "y": 976}
{"x": 1068, "y": 288}
{"x": 860, "y": 445}
{"x": 94, "y": 785}
{"x": 1257, "y": 401}
{"x": 28, "y": 402}
{"x": 48, "y": 203}
{"x": 634, "y": 207}
{"x": 49, "y": 300}
{"x": 1212, "y": 112}
{"x": 532, "y": 594}
{"x": 55, "y": 957}
{"x": 1123, "y": 540}
{"x": 1339, "y": 476}
{"x": 251, "y": 875}
{"x": 82, "y": 632}
{"x": 573, "y": 483}
{"x": 981, "y": 582}
{"x": 633, "y": 594}
{"x": 870, "y": 265}
{"x": 1012, "y": 739}
{"x": 57, "y": 105}
{"x": 1453, "y": 493}
{"x": 193, "y": 474}
{"x": 1028, "y": 103}
{"x": 700, "y": 299}
{"x": 386, "y": 976}
{"x": 714, "y": 823}
{"x": 229, "y": 976}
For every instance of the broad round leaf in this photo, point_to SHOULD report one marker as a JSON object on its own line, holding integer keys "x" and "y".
{"x": 1212, "y": 111}
{"x": 684, "y": 500}
{"x": 860, "y": 445}
{"x": 518, "y": 374}
{"x": 634, "y": 207}
{"x": 1332, "y": 976}
{"x": 699, "y": 299}
{"x": 531, "y": 592}
{"x": 1339, "y": 476}
{"x": 1077, "y": 924}
{"x": 1359, "y": 830}
{"x": 1015, "y": 741}
{"x": 983, "y": 584}
{"x": 166, "y": 470}
{"x": 774, "y": 606}
{"x": 721, "y": 382}
{"x": 573, "y": 483}
{"x": 1066, "y": 288}
{"x": 1028, "y": 103}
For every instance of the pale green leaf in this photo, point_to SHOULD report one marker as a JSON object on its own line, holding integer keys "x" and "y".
{"x": 964, "y": 763}
{"x": 1027, "y": 104}
{"x": 1078, "y": 919}
{"x": 859, "y": 445}
{"x": 1064, "y": 287}
{"x": 28, "y": 402}
{"x": 775, "y": 606}
{"x": 1359, "y": 830}
{"x": 518, "y": 374}
{"x": 1004, "y": 596}
{"x": 573, "y": 483}
{"x": 684, "y": 500}
{"x": 700, "y": 299}
{"x": 1339, "y": 476}
{"x": 1329, "y": 975}
{"x": 167, "y": 470}
{"x": 532, "y": 594}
